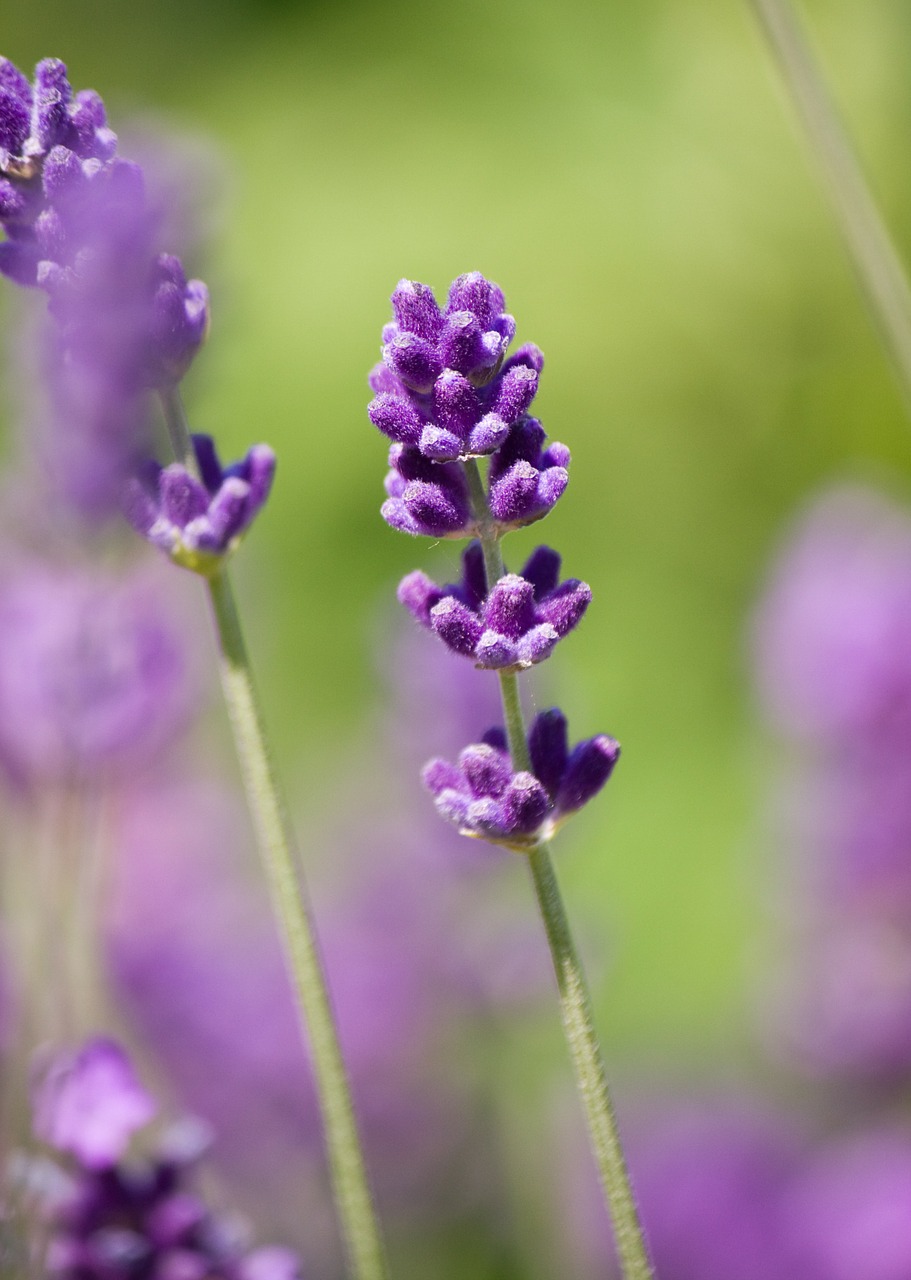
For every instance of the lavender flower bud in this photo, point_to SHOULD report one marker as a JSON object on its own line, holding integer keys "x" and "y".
{"x": 484, "y": 798}
{"x": 426, "y": 498}
{"x": 443, "y": 387}
{"x": 199, "y": 522}
{"x": 515, "y": 625}
{"x": 525, "y": 479}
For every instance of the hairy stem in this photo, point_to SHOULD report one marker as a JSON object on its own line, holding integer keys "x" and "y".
{"x": 575, "y": 1002}
{"x": 291, "y": 906}
{"x": 876, "y": 262}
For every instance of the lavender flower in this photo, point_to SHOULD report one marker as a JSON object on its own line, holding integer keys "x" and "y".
{"x": 444, "y": 387}
{"x": 425, "y": 497}
{"x": 94, "y": 673}
{"x": 515, "y": 625}
{"x": 526, "y": 480}
{"x": 484, "y": 798}
{"x": 113, "y": 1220}
{"x": 200, "y": 522}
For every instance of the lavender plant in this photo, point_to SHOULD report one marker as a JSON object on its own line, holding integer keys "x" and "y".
{"x": 79, "y": 226}
{"x": 447, "y": 395}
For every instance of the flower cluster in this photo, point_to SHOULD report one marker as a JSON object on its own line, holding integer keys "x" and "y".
{"x": 110, "y": 1218}
{"x": 446, "y": 396}
{"x": 514, "y": 625}
{"x": 484, "y": 797}
{"x": 198, "y": 522}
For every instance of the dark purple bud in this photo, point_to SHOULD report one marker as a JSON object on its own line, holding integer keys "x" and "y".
{"x": 513, "y": 496}
{"x": 62, "y": 175}
{"x": 224, "y": 515}
{"x": 590, "y": 765}
{"x": 528, "y": 356}
{"x": 472, "y": 292}
{"x": 182, "y": 497}
{"x": 536, "y": 645}
{"x": 419, "y": 595}
{"x": 13, "y": 81}
{"x": 455, "y": 403}
{"x": 525, "y": 804}
{"x": 542, "y": 570}
{"x": 515, "y": 393}
{"x": 14, "y": 203}
{"x": 487, "y": 436}
{"x": 462, "y": 345}
{"x": 510, "y": 607}
{"x": 426, "y": 497}
{"x": 456, "y": 625}
{"x": 396, "y": 418}
{"x": 50, "y": 119}
{"x": 413, "y": 360}
{"x": 548, "y": 746}
{"x": 474, "y": 575}
{"x": 494, "y": 652}
{"x": 416, "y": 309}
{"x": 440, "y": 444}
{"x": 15, "y": 118}
{"x": 487, "y": 771}
{"x": 564, "y": 607}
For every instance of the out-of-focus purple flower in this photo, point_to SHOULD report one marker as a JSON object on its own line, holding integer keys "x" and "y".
{"x": 484, "y": 798}
{"x": 80, "y": 226}
{"x": 843, "y": 1007}
{"x": 848, "y": 1212}
{"x": 95, "y": 676}
{"x": 517, "y": 624}
{"x": 712, "y": 1182}
{"x": 199, "y": 522}
{"x": 116, "y": 1220}
{"x": 89, "y": 1103}
{"x": 443, "y": 387}
{"x": 833, "y": 631}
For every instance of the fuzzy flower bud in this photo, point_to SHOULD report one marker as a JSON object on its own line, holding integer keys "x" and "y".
{"x": 484, "y": 798}
{"x": 425, "y": 497}
{"x": 199, "y": 522}
{"x": 443, "y": 387}
{"x": 514, "y": 625}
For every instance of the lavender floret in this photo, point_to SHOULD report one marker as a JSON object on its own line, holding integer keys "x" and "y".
{"x": 512, "y": 627}
{"x": 443, "y": 387}
{"x": 484, "y": 798}
{"x": 199, "y": 522}
{"x": 425, "y": 497}
{"x": 526, "y": 480}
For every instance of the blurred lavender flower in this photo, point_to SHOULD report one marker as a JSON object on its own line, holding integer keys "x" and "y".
{"x": 849, "y": 1215}
{"x": 80, "y": 226}
{"x": 114, "y": 1220}
{"x": 713, "y": 1181}
{"x": 517, "y": 624}
{"x": 95, "y": 677}
{"x": 483, "y": 797}
{"x": 199, "y": 522}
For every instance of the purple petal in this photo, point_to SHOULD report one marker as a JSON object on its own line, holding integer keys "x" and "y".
{"x": 590, "y": 765}
{"x": 525, "y": 804}
{"x": 183, "y": 498}
{"x": 455, "y": 403}
{"x": 474, "y": 577}
{"x": 487, "y": 771}
{"x": 416, "y": 309}
{"x": 548, "y": 747}
{"x": 228, "y": 515}
{"x": 515, "y": 494}
{"x": 419, "y": 595}
{"x": 396, "y": 418}
{"x": 472, "y": 292}
{"x": 456, "y": 625}
{"x": 564, "y": 607}
{"x": 510, "y": 607}
{"x": 488, "y": 435}
{"x": 542, "y": 570}
{"x": 207, "y": 460}
{"x": 537, "y": 644}
{"x": 494, "y": 651}
{"x": 259, "y": 468}
{"x": 516, "y": 391}
{"x": 439, "y": 775}
{"x": 15, "y": 118}
{"x": 439, "y": 444}
{"x": 414, "y": 361}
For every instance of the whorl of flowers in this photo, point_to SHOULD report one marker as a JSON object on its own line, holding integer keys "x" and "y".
{"x": 446, "y": 394}
{"x": 114, "y": 1218}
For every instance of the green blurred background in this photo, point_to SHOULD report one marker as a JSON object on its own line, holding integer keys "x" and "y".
{"x": 631, "y": 175}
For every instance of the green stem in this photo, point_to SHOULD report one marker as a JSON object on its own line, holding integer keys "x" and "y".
{"x": 179, "y": 429}
{"x": 575, "y": 1002}
{"x": 876, "y": 263}
{"x": 290, "y": 902}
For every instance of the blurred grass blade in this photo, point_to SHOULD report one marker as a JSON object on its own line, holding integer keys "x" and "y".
{"x": 876, "y": 261}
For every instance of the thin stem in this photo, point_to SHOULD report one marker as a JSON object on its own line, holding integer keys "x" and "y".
{"x": 291, "y": 906}
{"x": 876, "y": 262}
{"x": 575, "y": 1002}
{"x": 179, "y": 429}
